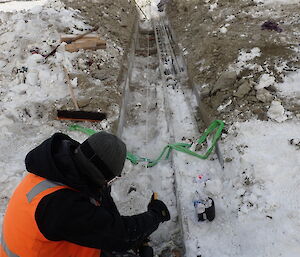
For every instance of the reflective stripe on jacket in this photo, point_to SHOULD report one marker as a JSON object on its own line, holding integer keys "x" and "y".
{"x": 20, "y": 234}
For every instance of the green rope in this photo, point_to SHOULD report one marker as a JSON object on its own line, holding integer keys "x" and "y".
{"x": 217, "y": 127}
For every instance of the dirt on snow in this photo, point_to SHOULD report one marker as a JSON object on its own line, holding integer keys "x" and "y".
{"x": 227, "y": 52}
{"x": 100, "y": 72}
{"x": 216, "y": 39}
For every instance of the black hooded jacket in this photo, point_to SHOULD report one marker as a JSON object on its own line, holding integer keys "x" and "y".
{"x": 69, "y": 214}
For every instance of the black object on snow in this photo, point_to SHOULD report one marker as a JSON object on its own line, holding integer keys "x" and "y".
{"x": 161, "y": 5}
{"x": 80, "y": 115}
{"x": 205, "y": 209}
{"x": 271, "y": 25}
{"x": 146, "y": 251}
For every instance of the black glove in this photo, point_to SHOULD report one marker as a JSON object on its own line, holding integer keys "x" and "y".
{"x": 105, "y": 198}
{"x": 159, "y": 209}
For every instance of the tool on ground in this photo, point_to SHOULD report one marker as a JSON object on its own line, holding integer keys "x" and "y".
{"x": 78, "y": 115}
{"x": 72, "y": 40}
{"x": 71, "y": 89}
{"x": 205, "y": 208}
{"x": 81, "y": 115}
{"x": 215, "y": 127}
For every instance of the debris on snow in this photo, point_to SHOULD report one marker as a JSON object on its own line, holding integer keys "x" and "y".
{"x": 265, "y": 81}
{"x": 271, "y": 25}
{"x": 295, "y": 142}
{"x": 222, "y": 107}
{"x": 227, "y": 79}
{"x": 264, "y": 95}
{"x": 243, "y": 89}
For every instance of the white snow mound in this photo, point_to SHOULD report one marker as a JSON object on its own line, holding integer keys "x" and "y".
{"x": 277, "y": 112}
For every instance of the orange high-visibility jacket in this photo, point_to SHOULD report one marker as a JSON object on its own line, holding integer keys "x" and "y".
{"x": 21, "y": 236}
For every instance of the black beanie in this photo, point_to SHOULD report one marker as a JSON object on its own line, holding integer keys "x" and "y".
{"x": 101, "y": 157}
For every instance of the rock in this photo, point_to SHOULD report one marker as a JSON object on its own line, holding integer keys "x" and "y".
{"x": 265, "y": 81}
{"x": 295, "y": 108}
{"x": 276, "y": 112}
{"x": 82, "y": 64}
{"x": 228, "y": 159}
{"x": 264, "y": 95}
{"x": 227, "y": 79}
{"x": 100, "y": 74}
{"x": 243, "y": 90}
{"x": 252, "y": 99}
{"x": 219, "y": 98}
{"x": 272, "y": 88}
{"x": 261, "y": 114}
{"x": 205, "y": 91}
{"x": 124, "y": 24}
{"x": 256, "y": 37}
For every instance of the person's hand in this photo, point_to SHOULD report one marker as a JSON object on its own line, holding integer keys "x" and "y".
{"x": 105, "y": 197}
{"x": 159, "y": 208}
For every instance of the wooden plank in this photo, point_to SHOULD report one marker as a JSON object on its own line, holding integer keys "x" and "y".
{"x": 92, "y": 42}
{"x": 100, "y": 47}
{"x": 75, "y": 46}
{"x": 65, "y": 37}
{"x": 99, "y": 42}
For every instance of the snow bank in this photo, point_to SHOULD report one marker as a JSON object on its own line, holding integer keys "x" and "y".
{"x": 277, "y": 112}
{"x": 258, "y": 208}
{"x": 291, "y": 85}
{"x": 30, "y": 88}
{"x": 28, "y": 82}
{"x": 277, "y": 1}
{"x": 20, "y": 5}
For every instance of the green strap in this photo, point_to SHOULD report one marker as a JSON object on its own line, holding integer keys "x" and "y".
{"x": 87, "y": 131}
{"x": 217, "y": 127}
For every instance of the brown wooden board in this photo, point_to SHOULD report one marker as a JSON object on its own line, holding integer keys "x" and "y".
{"x": 92, "y": 44}
{"x": 66, "y": 38}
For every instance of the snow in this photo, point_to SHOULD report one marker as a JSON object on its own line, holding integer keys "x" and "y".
{"x": 276, "y": 112}
{"x": 213, "y": 6}
{"x": 30, "y": 89}
{"x": 246, "y": 59}
{"x": 277, "y": 1}
{"x": 265, "y": 81}
{"x": 223, "y": 30}
{"x": 222, "y": 107}
{"x": 256, "y": 195}
{"x": 248, "y": 56}
{"x": 230, "y": 18}
{"x": 20, "y": 5}
{"x": 290, "y": 86}
{"x": 261, "y": 152}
